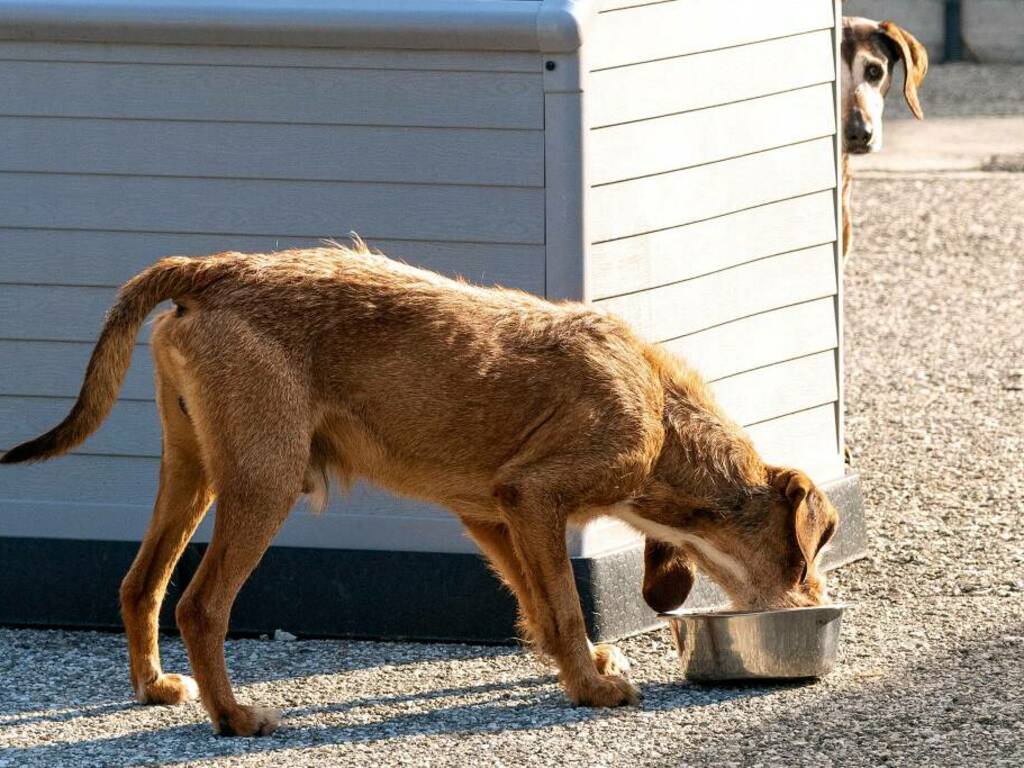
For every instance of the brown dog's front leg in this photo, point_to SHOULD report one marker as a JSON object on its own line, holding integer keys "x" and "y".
{"x": 538, "y": 538}
{"x": 496, "y": 543}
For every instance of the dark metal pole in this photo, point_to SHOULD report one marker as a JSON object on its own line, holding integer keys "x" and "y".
{"x": 954, "y": 31}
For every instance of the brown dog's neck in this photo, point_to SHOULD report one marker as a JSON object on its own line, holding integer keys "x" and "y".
{"x": 706, "y": 461}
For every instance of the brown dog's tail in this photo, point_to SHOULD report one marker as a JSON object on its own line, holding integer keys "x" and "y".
{"x": 167, "y": 279}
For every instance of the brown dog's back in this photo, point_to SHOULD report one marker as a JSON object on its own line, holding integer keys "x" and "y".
{"x": 428, "y": 386}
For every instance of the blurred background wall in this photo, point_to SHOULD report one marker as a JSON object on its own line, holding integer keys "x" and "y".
{"x": 990, "y": 31}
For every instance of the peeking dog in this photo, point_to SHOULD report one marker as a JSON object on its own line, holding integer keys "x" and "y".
{"x": 519, "y": 415}
{"x": 869, "y": 53}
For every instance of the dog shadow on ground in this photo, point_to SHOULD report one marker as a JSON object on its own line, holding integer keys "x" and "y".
{"x": 536, "y": 703}
{"x": 526, "y": 703}
{"x": 40, "y": 656}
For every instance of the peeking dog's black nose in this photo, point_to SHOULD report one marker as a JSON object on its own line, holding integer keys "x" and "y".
{"x": 858, "y": 132}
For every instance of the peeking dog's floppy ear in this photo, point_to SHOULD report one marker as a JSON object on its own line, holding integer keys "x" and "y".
{"x": 814, "y": 520}
{"x": 668, "y": 576}
{"x": 915, "y": 62}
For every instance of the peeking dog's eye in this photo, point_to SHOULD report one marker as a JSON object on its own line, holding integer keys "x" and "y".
{"x": 873, "y": 72}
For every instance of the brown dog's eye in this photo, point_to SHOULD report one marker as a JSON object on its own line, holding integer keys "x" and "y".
{"x": 873, "y": 72}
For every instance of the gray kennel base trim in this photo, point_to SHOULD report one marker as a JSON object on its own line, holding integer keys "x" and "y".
{"x": 353, "y": 593}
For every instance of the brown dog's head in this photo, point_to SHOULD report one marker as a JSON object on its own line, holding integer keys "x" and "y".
{"x": 870, "y": 53}
{"x": 764, "y": 554}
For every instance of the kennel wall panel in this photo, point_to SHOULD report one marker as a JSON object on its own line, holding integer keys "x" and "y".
{"x": 320, "y": 57}
{"x": 348, "y": 153}
{"x": 272, "y": 207}
{"x": 665, "y": 200}
{"x": 652, "y": 259}
{"x": 806, "y": 439}
{"x": 712, "y": 221}
{"x": 681, "y": 27}
{"x": 653, "y": 146}
{"x": 141, "y": 151}
{"x": 651, "y": 89}
{"x": 760, "y": 339}
{"x": 113, "y": 502}
{"x": 107, "y": 259}
{"x": 691, "y": 305}
{"x": 631, "y": 164}
{"x": 270, "y": 94}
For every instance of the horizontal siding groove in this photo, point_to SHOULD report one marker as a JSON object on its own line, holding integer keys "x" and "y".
{"x": 254, "y": 64}
{"x": 790, "y": 413}
{"x": 759, "y": 340}
{"x": 659, "y": 144}
{"x": 752, "y": 397}
{"x": 416, "y": 98}
{"x": 69, "y": 399}
{"x": 736, "y": 265}
{"x": 638, "y": 91}
{"x": 48, "y": 340}
{"x": 374, "y": 182}
{"x": 322, "y": 238}
{"x": 638, "y": 4}
{"x": 771, "y": 364}
{"x": 279, "y": 123}
{"x": 277, "y": 57}
{"x": 55, "y": 284}
{"x": 710, "y": 50}
{"x": 643, "y": 206}
{"x": 102, "y": 455}
{"x": 708, "y": 218}
{"x": 748, "y": 289}
{"x": 456, "y": 213}
{"x": 804, "y": 439}
{"x": 638, "y": 263}
{"x": 708, "y": 106}
{"x": 745, "y": 317}
{"x": 668, "y": 171}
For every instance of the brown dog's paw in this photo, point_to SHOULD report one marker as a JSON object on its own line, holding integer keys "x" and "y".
{"x": 610, "y": 660}
{"x": 248, "y": 721}
{"x": 606, "y": 691}
{"x": 169, "y": 689}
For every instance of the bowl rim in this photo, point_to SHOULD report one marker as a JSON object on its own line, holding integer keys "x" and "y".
{"x": 731, "y": 614}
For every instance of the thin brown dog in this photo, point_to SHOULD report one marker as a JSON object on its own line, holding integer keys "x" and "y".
{"x": 519, "y": 415}
{"x": 870, "y": 52}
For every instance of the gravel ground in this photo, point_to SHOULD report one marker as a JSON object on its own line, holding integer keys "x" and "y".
{"x": 931, "y": 668}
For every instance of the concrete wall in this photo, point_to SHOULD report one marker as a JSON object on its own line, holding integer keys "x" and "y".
{"x": 993, "y": 30}
{"x": 923, "y": 18}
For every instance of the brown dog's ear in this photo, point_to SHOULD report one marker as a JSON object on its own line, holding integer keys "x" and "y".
{"x": 668, "y": 576}
{"x": 814, "y": 519}
{"x": 793, "y": 484}
{"x": 915, "y": 62}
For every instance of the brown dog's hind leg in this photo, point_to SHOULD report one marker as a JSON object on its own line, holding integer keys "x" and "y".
{"x": 184, "y": 496}
{"x": 248, "y": 516}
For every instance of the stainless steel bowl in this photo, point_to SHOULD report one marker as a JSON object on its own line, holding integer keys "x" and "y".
{"x": 739, "y": 645}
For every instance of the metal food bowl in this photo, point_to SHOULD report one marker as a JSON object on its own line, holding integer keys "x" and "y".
{"x": 741, "y": 645}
